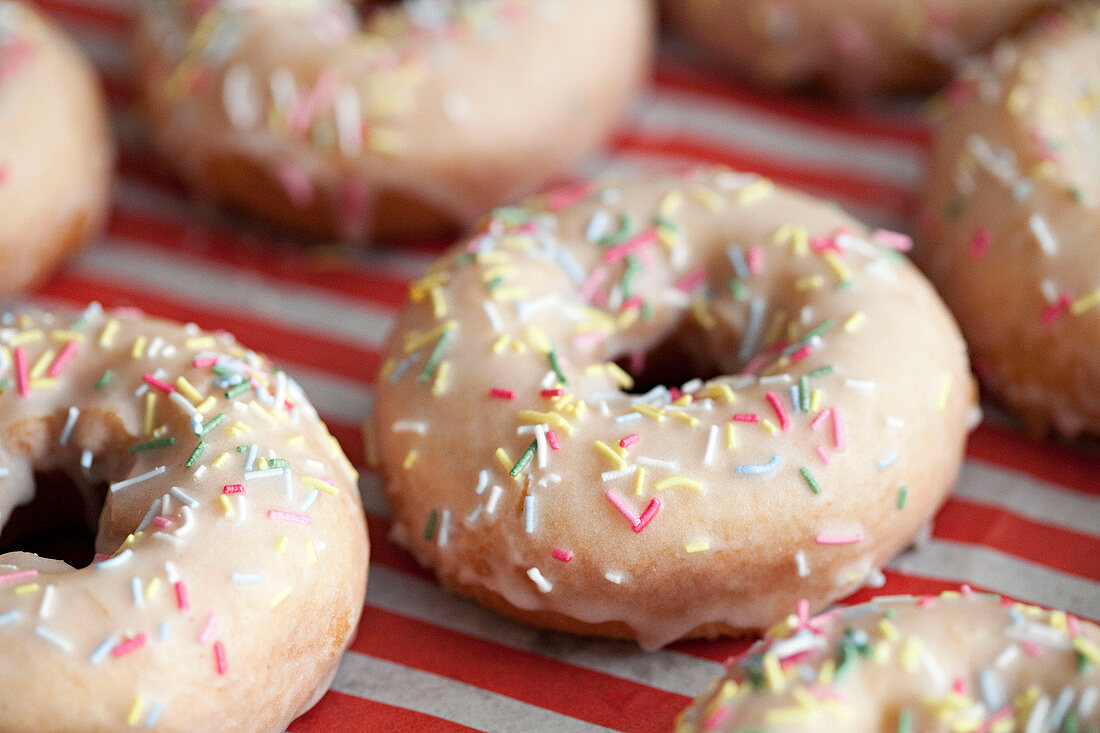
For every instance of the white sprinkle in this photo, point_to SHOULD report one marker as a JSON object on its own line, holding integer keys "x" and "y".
{"x": 549, "y": 379}
{"x": 85, "y": 463}
{"x": 529, "y": 516}
{"x": 1038, "y": 715}
{"x": 540, "y": 582}
{"x": 874, "y": 579}
{"x": 615, "y": 576}
{"x": 185, "y": 526}
{"x": 801, "y": 642}
{"x": 135, "y": 593}
{"x": 712, "y": 442}
{"x": 542, "y": 447}
{"x": 100, "y": 654}
{"x": 597, "y": 225}
{"x": 934, "y": 670}
{"x": 242, "y": 506}
{"x": 623, "y": 473}
{"x": 314, "y": 465}
{"x": 753, "y": 331}
{"x": 895, "y": 422}
{"x": 56, "y": 639}
{"x": 246, "y": 577}
{"x": 45, "y": 607}
{"x": 991, "y": 689}
{"x": 1059, "y": 709}
{"x": 1007, "y": 657}
{"x": 288, "y": 484}
{"x": 861, "y": 385}
{"x": 186, "y": 406}
{"x": 250, "y": 457}
{"x": 444, "y": 527}
{"x": 482, "y": 481}
{"x": 493, "y": 315}
{"x": 181, "y": 495}
{"x": 494, "y": 498}
{"x": 148, "y": 516}
{"x": 171, "y": 572}
{"x": 887, "y": 460}
{"x": 119, "y": 559}
{"x": 127, "y": 483}
{"x": 628, "y": 417}
{"x": 307, "y": 503}
{"x": 70, "y": 421}
{"x": 349, "y": 122}
{"x": 457, "y": 107}
{"x": 473, "y": 515}
{"x": 4, "y": 471}
{"x": 265, "y": 473}
{"x": 200, "y": 472}
{"x": 154, "y": 348}
{"x": 776, "y": 379}
{"x": 1045, "y": 635}
{"x": 9, "y": 618}
{"x": 410, "y": 426}
{"x": 802, "y": 563}
{"x": 1087, "y": 702}
{"x": 237, "y": 97}
{"x": 657, "y": 463}
{"x": 1042, "y": 234}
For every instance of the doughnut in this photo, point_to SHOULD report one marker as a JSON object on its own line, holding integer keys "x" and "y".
{"x": 335, "y": 121}
{"x": 954, "y": 662}
{"x": 230, "y": 553}
{"x": 850, "y": 47}
{"x": 668, "y": 407}
{"x": 1010, "y": 220}
{"x": 56, "y": 155}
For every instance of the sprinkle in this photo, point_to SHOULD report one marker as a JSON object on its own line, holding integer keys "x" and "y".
{"x": 183, "y": 497}
{"x": 157, "y": 383}
{"x": 102, "y": 651}
{"x": 320, "y": 485}
{"x": 279, "y": 597}
{"x": 844, "y": 539}
{"x": 619, "y": 503}
{"x": 153, "y": 444}
{"x": 213, "y": 423}
{"x": 107, "y": 335}
{"x": 182, "y": 601}
{"x": 54, "y": 638}
{"x": 690, "y": 483}
{"x": 552, "y": 355}
{"x": 838, "y": 428}
{"x": 903, "y": 494}
{"x": 648, "y": 515}
{"x": 123, "y": 648}
{"x": 110, "y": 562}
{"x": 220, "y": 662}
{"x": 127, "y": 483}
{"x": 712, "y": 443}
{"x": 887, "y": 460}
{"x": 745, "y": 417}
{"x": 235, "y": 392}
{"x": 759, "y": 469}
{"x": 697, "y": 546}
{"x": 264, "y": 473}
{"x": 1085, "y": 302}
{"x": 22, "y": 378}
{"x": 45, "y": 606}
{"x": 494, "y": 498}
{"x": 810, "y": 480}
{"x": 802, "y": 564}
{"x": 289, "y": 516}
{"x": 1043, "y": 236}
{"x": 780, "y": 411}
{"x": 540, "y": 582}
{"x": 502, "y": 394}
{"x": 437, "y": 353}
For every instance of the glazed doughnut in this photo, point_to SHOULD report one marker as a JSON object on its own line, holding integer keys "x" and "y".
{"x": 822, "y": 421}
{"x": 55, "y": 152}
{"x": 957, "y": 662}
{"x": 1011, "y": 220}
{"x": 851, "y": 47}
{"x": 231, "y": 548}
{"x": 414, "y": 118}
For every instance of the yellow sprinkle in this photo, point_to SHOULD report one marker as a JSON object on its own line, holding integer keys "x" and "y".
{"x": 280, "y": 597}
{"x": 702, "y": 316}
{"x": 837, "y": 265}
{"x": 1043, "y": 169}
{"x": 773, "y": 673}
{"x": 510, "y": 292}
{"x": 227, "y": 506}
{"x": 719, "y": 391}
{"x": 669, "y": 238}
{"x": 881, "y": 652}
{"x": 40, "y": 365}
{"x": 1058, "y": 620}
{"x": 639, "y": 481}
{"x": 825, "y": 674}
{"x": 670, "y": 204}
{"x": 755, "y": 191}
{"x": 911, "y": 652}
{"x": 280, "y": 546}
{"x": 207, "y": 404}
{"x": 1017, "y": 100}
{"x": 812, "y": 282}
{"x": 25, "y": 337}
{"x": 1085, "y": 302}
{"x": 501, "y": 343}
{"x": 442, "y": 378}
{"x": 697, "y": 546}
{"x": 136, "y": 707}
{"x": 517, "y": 241}
{"x": 655, "y": 413}
{"x": 410, "y": 459}
{"x": 153, "y": 588}
{"x": 519, "y": 346}
{"x": 439, "y": 303}
{"x": 138, "y": 348}
{"x": 504, "y": 460}
{"x": 816, "y": 395}
{"x": 615, "y": 458}
{"x": 889, "y": 631}
{"x": 492, "y": 258}
{"x": 418, "y": 288}
{"x": 28, "y": 588}
{"x": 387, "y": 368}
{"x": 537, "y": 339}
{"x": 689, "y": 483}
{"x": 59, "y": 335}
{"x": 553, "y": 419}
{"x": 320, "y": 485}
{"x": 311, "y": 552}
{"x": 43, "y": 384}
{"x": 188, "y": 390}
{"x": 150, "y": 412}
{"x": 708, "y": 198}
{"x": 786, "y": 716}
{"x": 240, "y": 428}
{"x": 625, "y": 380}
{"x": 689, "y": 419}
{"x": 945, "y": 391}
{"x": 220, "y": 460}
{"x": 415, "y": 339}
{"x": 775, "y": 327}
{"x": 731, "y": 437}
{"x": 805, "y": 700}
{"x": 627, "y": 319}
{"x": 201, "y": 342}
{"x": 1087, "y": 649}
{"x": 295, "y": 439}
{"x": 854, "y": 321}
{"x": 769, "y": 426}
{"x": 257, "y": 408}
{"x": 684, "y": 400}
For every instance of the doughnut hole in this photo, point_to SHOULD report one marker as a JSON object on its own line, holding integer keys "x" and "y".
{"x": 50, "y": 504}
{"x": 685, "y": 354}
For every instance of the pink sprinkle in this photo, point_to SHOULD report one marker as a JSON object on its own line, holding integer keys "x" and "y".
{"x": 745, "y": 417}
{"x": 755, "y": 259}
{"x": 157, "y": 383}
{"x": 824, "y": 244}
{"x": 1056, "y": 309}
{"x": 838, "y": 429}
{"x": 203, "y": 362}
{"x": 648, "y": 515}
{"x": 801, "y": 354}
{"x": 823, "y": 455}
{"x": 839, "y": 539}
{"x": 124, "y": 648}
{"x": 563, "y": 555}
{"x": 1033, "y": 648}
{"x": 592, "y": 283}
{"x": 208, "y": 628}
{"x": 566, "y": 197}
{"x": 637, "y": 361}
{"x": 966, "y": 590}
{"x": 618, "y": 252}
{"x": 634, "y": 301}
{"x": 821, "y": 417}
{"x": 1073, "y": 625}
{"x": 552, "y": 392}
{"x": 502, "y": 394}
{"x": 1005, "y": 712}
{"x": 183, "y": 603}
{"x": 926, "y": 601}
{"x": 780, "y": 411}
{"x": 233, "y": 489}
{"x": 552, "y": 438}
{"x": 289, "y": 516}
{"x": 716, "y": 718}
{"x": 802, "y": 610}
{"x": 692, "y": 280}
{"x": 22, "y": 378}
{"x": 296, "y": 184}
{"x": 162, "y": 522}
{"x": 619, "y": 503}
{"x": 756, "y": 363}
{"x": 675, "y": 394}
{"x": 895, "y": 240}
{"x": 979, "y": 245}
{"x": 959, "y": 685}
{"x": 20, "y": 575}
{"x": 219, "y": 657}
{"x": 68, "y": 351}
{"x": 629, "y": 440}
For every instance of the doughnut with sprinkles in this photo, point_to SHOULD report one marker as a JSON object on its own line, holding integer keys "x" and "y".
{"x": 803, "y": 415}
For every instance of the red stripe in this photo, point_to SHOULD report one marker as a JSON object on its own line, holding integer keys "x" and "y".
{"x": 337, "y": 713}
{"x": 385, "y": 553}
{"x": 856, "y": 189}
{"x": 103, "y": 17}
{"x": 849, "y": 121}
{"x": 999, "y": 529}
{"x": 549, "y": 684}
{"x": 1071, "y": 468}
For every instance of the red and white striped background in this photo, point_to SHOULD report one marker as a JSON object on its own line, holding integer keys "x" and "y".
{"x": 1024, "y": 519}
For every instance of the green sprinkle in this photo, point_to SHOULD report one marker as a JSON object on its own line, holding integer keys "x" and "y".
{"x": 234, "y": 392}
{"x": 822, "y": 371}
{"x": 847, "y": 659}
{"x": 647, "y": 311}
{"x": 512, "y": 215}
{"x": 242, "y": 448}
{"x": 4, "y": 384}
{"x": 151, "y": 444}
{"x": 437, "y": 354}
{"x": 495, "y": 283}
{"x": 429, "y": 528}
{"x": 810, "y": 480}
{"x": 213, "y": 423}
{"x": 556, "y": 366}
{"x": 1076, "y": 194}
{"x": 278, "y": 463}
{"x": 633, "y": 267}
{"x": 905, "y": 721}
{"x": 196, "y": 453}
{"x": 666, "y": 223}
{"x": 1069, "y": 723}
{"x": 814, "y": 332}
{"x": 617, "y": 237}
{"x": 1082, "y": 662}
{"x": 903, "y": 495}
{"x": 103, "y": 381}
{"x": 524, "y": 460}
{"x": 737, "y": 288}
{"x": 804, "y": 393}
{"x": 465, "y": 258}
{"x": 222, "y": 370}
{"x": 955, "y": 207}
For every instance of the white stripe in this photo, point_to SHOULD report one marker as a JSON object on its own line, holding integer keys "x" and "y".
{"x": 1002, "y": 573}
{"x": 109, "y": 52}
{"x": 342, "y": 399}
{"x": 426, "y": 601}
{"x": 424, "y": 692}
{"x": 999, "y": 487}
